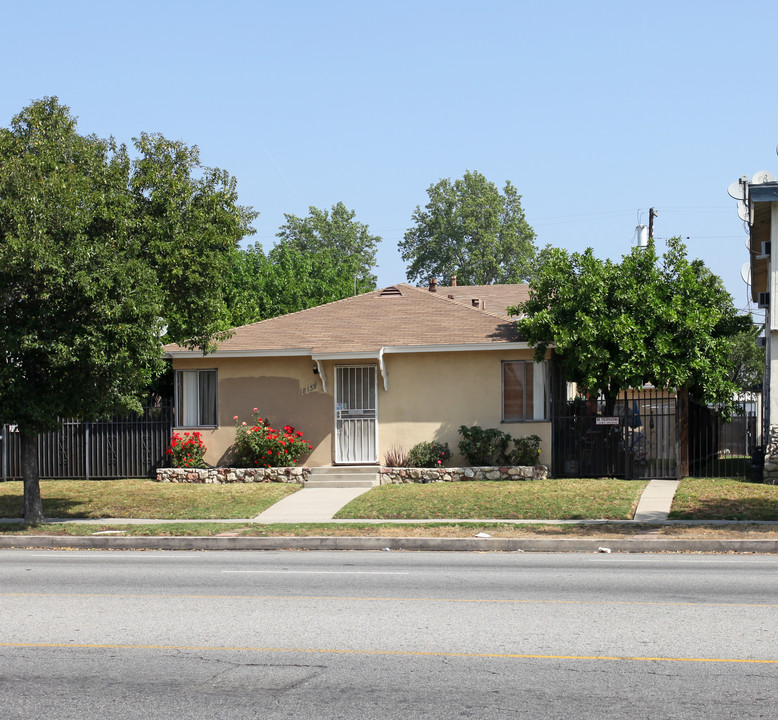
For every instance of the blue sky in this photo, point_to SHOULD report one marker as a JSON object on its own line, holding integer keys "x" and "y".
{"x": 594, "y": 110}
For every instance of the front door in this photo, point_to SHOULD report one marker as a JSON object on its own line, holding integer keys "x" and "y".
{"x": 356, "y": 427}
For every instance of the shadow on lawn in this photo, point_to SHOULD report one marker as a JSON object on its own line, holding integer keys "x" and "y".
{"x": 58, "y": 507}
{"x": 753, "y": 509}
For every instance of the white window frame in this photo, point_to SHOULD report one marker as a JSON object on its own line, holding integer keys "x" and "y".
{"x": 539, "y": 389}
{"x": 194, "y": 389}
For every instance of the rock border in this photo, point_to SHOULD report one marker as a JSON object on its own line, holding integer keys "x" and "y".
{"x": 386, "y": 475}
{"x": 220, "y": 476}
{"x": 396, "y": 476}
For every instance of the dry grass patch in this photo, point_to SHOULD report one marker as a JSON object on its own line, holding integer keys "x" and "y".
{"x": 552, "y": 499}
{"x": 724, "y": 499}
{"x": 145, "y": 499}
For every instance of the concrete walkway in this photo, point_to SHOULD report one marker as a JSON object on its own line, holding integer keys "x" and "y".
{"x": 656, "y": 500}
{"x": 310, "y": 505}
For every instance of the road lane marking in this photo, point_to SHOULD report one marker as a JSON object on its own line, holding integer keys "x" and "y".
{"x": 398, "y": 653}
{"x": 92, "y": 554}
{"x": 315, "y": 572}
{"x": 329, "y": 598}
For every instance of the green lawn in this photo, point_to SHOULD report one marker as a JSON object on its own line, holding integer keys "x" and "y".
{"x": 539, "y": 499}
{"x": 724, "y": 499}
{"x": 146, "y": 499}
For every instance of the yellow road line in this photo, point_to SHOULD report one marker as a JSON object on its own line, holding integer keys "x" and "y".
{"x": 398, "y": 653}
{"x": 511, "y": 601}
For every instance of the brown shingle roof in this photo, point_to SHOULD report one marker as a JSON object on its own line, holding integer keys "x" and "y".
{"x": 401, "y": 315}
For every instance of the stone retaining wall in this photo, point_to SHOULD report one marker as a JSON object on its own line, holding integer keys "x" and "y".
{"x": 770, "y": 469}
{"x": 387, "y": 475}
{"x": 391, "y": 476}
{"x": 218, "y": 476}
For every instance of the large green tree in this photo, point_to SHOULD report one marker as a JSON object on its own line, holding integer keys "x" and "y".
{"x": 472, "y": 230}
{"x": 97, "y": 252}
{"x": 662, "y": 320}
{"x": 323, "y": 257}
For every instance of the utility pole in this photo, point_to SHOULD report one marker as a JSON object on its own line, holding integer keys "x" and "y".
{"x": 651, "y": 215}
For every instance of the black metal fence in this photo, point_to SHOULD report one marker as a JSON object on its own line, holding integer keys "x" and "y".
{"x": 645, "y": 436}
{"x": 124, "y": 446}
{"x": 720, "y": 447}
{"x": 634, "y": 439}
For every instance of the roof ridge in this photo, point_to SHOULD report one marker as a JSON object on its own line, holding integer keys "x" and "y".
{"x": 441, "y": 295}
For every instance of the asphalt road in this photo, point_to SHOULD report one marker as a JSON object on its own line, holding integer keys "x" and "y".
{"x": 387, "y": 635}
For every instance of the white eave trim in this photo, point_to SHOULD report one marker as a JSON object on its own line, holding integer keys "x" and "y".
{"x": 472, "y": 347}
{"x": 360, "y": 355}
{"x": 294, "y": 352}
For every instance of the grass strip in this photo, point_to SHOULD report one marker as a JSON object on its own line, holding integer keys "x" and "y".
{"x": 394, "y": 530}
{"x": 553, "y": 499}
{"x": 133, "y": 498}
{"x": 724, "y": 499}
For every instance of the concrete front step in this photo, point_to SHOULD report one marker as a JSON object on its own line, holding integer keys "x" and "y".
{"x": 354, "y": 476}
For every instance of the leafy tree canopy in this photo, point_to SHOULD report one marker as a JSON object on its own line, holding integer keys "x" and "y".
{"x": 746, "y": 360}
{"x": 666, "y": 321}
{"x": 96, "y": 248}
{"x": 472, "y": 230}
{"x": 320, "y": 258}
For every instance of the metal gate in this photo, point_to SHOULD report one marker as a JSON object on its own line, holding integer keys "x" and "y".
{"x": 637, "y": 438}
{"x": 720, "y": 447}
{"x": 124, "y": 446}
{"x": 356, "y": 414}
{"x": 645, "y": 435}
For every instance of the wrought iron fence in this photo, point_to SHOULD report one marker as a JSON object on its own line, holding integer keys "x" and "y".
{"x": 645, "y": 436}
{"x": 636, "y": 438}
{"x": 124, "y": 446}
{"x": 720, "y": 447}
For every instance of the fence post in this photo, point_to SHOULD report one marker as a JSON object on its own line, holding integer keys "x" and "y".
{"x": 5, "y": 452}
{"x": 86, "y": 450}
{"x": 682, "y": 432}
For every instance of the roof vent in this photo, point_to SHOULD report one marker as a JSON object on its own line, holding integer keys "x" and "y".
{"x": 390, "y": 291}
{"x": 477, "y": 303}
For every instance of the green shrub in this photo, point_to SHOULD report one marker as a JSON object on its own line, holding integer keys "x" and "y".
{"x": 428, "y": 454}
{"x": 526, "y": 450}
{"x": 490, "y": 447}
{"x": 259, "y": 445}
{"x": 484, "y": 447}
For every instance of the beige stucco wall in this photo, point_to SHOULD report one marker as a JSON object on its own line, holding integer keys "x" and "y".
{"x": 429, "y": 396}
{"x": 432, "y": 394}
{"x": 285, "y": 391}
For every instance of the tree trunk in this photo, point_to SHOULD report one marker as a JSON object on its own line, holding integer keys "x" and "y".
{"x": 611, "y": 396}
{"x": 33, "y": 506}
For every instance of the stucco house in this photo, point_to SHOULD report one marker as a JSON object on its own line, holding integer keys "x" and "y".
{"x": 386, "y": 369}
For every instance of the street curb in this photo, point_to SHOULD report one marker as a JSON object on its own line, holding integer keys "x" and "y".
{"x": 544, "y": 545}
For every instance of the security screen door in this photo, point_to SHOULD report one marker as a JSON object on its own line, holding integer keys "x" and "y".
{"x": 355, "y": 415}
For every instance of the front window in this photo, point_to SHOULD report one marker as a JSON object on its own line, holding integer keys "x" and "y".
{"x": 524, "y": 393}
{"x": 195, "y": 398}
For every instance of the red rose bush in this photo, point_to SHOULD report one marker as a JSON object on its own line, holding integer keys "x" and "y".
{"x": 260, "y": 445}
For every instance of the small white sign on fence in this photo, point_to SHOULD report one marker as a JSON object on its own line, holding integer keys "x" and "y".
{"x": 602, "y": 420}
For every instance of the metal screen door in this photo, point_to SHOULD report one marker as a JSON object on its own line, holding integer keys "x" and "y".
{"x": 355, "y": 415}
